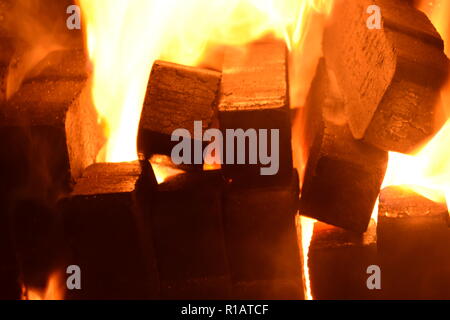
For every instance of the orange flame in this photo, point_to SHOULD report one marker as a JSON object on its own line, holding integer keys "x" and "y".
{"x": 163, "y": 170}
{"x": 53, "y": 291}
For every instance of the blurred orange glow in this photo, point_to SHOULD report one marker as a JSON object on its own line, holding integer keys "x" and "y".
{"x": 53, "y": 291}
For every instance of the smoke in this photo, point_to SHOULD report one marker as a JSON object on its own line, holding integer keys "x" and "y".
{"x": 38, "y": 28}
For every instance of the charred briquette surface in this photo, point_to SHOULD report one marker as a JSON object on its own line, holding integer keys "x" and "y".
{"x": 343, "y": 176}
{"x": 342, "y": 179}
{"x": 261, "y": 241}
{"x": 106, "y": 224}
{"x": 189, "y": 238}
{"x": 28, "y": 224}
{"x": 49, "y": 128}
{"x": 391, "y": 77}
{"x": 254, "y": 95}
{"x": 9, "y": 275}
{"x": 413, "y": 242}
{"x": 9, "y": 272}
{"x": 176, "y": 97}
{"x": 40, "y": 134}
{"x": 10, "y": 287}
{"x": 38, "y": 241}
{"x": 7, "y": 49}
{"x": 338, "y": 260}
{"x": 67, "y": 64}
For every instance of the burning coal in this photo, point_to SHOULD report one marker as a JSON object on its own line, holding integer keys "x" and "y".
{"x": 124, "y": 39}
{"x": 164, "y": 71}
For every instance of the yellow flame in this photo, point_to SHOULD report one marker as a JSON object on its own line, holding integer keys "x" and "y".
{"x": 427, "y": 172}
{"x": 124, "y": 38}
{"x": 438, "y": 12}
{"x": 374, "y": 216}
{"x": 306, "y": 226}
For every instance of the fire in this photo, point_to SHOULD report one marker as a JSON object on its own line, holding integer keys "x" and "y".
{"x": 163, "y": 171}
{"x": 124, "y": 38}
{"x": 427, "y": 171}
{"x": 438, "y": 12}
{"x": 53, "y": 291}
{"x": 307, "y": 228}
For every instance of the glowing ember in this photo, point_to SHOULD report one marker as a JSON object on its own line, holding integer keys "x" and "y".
{"x": 162, "y": 170}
